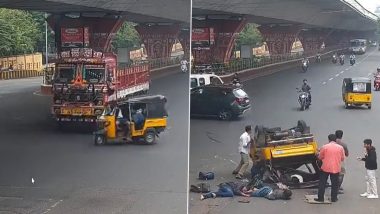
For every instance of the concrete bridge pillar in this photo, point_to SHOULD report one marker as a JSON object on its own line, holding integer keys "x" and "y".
{"x": 338, "y": 38}
{"x": 279, "y": 38}
{"x": 95, "y": 33}
{"x": 184, "y": 39}
{"x": 312, "y": 40}
{"x": 222, "y": 40}
{"x": 158, "y": 39}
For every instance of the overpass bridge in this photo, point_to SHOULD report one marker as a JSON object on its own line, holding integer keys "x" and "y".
{"x": 159, "y": 24}
{"x": 331, "y": 22}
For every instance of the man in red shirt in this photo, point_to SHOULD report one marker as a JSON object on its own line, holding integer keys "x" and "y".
{"x": 331, "y": 155}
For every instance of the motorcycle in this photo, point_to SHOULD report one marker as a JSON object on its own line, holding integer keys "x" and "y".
{"x": 334, "y": 59}
{"x": 304, "y": 66}
{"x": 184, "y": 68}
{"x": 352, "y": 61}
{"x": 376, "y": 82}
{"x": 318, "y": 59}
{"x": 341, "y": 60}
{"x": 237, "y": 84}
{"x": 303, "y": 99}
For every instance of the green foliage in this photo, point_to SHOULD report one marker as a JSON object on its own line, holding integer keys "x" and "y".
{"x": 18, "y": 32}
{"x": 250, "y": 35}
{"x": 127, "y": 37}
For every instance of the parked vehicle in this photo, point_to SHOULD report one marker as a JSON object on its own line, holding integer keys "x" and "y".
{"x": 224, "y": 101}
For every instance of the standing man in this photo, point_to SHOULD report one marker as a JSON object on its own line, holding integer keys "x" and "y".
{"x": 339, "y": 136}
{"x": 371, "y": 166}
{"x": 331, "y": 154}
{"x": 245, "y": 141}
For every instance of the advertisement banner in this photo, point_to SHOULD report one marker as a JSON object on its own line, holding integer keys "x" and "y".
{"x": 200, "y": 35}
{"x": 72, "y": 37}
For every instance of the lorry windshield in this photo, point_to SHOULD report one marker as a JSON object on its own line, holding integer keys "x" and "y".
{"x": 65, "y": 75}
{"x": 94, "y": 75}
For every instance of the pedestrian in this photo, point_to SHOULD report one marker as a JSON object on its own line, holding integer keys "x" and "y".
{"x": 339, "y": 136}
{"x": 228, "y": 189}
{"x": 331, "y": 155}
{"x": 371, "y": 167}
{"x": 245, "y": 141}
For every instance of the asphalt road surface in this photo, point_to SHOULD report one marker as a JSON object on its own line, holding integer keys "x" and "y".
{"x": 213, "y": 143}
{"x": 74, "y": 176}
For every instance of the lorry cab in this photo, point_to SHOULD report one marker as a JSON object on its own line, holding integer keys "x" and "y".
{"x": 204, "y": 79}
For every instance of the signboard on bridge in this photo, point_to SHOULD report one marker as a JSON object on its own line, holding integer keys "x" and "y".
{"x": 72, "y": 37}
{"x": 202, "y": 38}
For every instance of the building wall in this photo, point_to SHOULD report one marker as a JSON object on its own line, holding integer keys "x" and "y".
{"x": 23, "y": 62}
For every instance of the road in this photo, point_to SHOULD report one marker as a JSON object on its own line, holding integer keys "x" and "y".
{"x": 74, "y": 176}
{"x": 213, "y": 144}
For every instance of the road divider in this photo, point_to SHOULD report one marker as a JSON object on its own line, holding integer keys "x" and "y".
{"x": 19, "y": 74}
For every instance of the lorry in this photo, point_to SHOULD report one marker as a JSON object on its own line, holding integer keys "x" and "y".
{"x": 86, "y": 81}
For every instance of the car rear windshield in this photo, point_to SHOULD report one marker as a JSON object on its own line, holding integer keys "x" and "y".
{"x": 239, "y": 93}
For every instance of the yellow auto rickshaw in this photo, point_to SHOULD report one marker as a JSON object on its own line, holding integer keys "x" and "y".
{"x": 141, "y": 118}
{"x": 357, "y": 92}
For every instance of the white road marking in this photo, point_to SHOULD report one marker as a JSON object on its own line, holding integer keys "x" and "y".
{"x": 337, "y": 75}
{"x": 347, "y": 69}
{"x": 331, "y": 79}
{"x": 324, "y": 83}
{"x": 342, "y": 72}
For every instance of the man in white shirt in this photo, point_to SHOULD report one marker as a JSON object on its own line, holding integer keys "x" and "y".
{"x": 245, "y": 141}
{"x": 184, "y": 65}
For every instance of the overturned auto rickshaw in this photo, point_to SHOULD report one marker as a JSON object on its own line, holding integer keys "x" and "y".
{"x": 289, "y": 155}
{"x": 131, "y": 121}
{"x": 357, "y": 92}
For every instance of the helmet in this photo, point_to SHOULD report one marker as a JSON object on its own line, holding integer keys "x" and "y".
{"x": 378, "y": 69}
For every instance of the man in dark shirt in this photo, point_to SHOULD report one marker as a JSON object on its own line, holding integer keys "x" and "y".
{"x": 339, "y": 136}
{"x": 371, "y": 167}
{"x": 228, "y": 189}
{"x": 306, "y": 88}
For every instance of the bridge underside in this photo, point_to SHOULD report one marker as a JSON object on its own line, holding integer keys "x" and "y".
{"x": 322, "y": 13}
{"x": 142, "y": 11}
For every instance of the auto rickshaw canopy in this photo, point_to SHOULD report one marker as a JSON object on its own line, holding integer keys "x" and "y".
{"x": 154, "y": 105}
{"x": 357, "y": 85}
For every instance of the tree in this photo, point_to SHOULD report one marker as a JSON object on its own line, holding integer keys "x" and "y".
{"x": 250, "y": 35}
{"x": 126, "y": 37}
{"x": 18, "y": 32}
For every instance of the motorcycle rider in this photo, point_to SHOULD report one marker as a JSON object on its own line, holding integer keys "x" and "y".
{"x": 352, "y": 57}
{"x": 306, "y": 88}
{"x": 184, "y": 65}
{"x": 335, "y": 56}
{"x": 236, "y": 80}
{"x": 318, "y": 56}
{"x": 305, "y": 59}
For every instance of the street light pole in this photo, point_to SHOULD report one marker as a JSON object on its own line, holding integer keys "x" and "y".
{"x": 46, "y": 42}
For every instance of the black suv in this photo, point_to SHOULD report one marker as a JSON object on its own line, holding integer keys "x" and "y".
{"x": 225, "y": 102}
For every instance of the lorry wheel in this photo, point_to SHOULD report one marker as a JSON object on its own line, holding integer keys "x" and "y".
{"x": 260, "y": 136}
{"x": 150, "y": 136}
{"x": 99, "y": 140}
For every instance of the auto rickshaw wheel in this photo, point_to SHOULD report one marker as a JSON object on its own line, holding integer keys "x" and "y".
{"x": 369, "y": 106}
{"x": 260, "y": 136}
{"x": 303, "y": 127}
{"x": 346, "y": 105}
{"x": 99, "y": 140}
{"x": 150, "y": 136}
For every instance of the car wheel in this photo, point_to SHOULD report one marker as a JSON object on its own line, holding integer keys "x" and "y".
{"x": 225, "y": 115}
{"x": 99, "y": 140}
{"x": 150, "y": 136}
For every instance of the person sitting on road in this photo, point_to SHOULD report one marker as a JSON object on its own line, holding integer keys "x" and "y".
{"x": 306, "y": 88}
{"x": 139, "y": 119}
{"x": 228, "y": 189}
